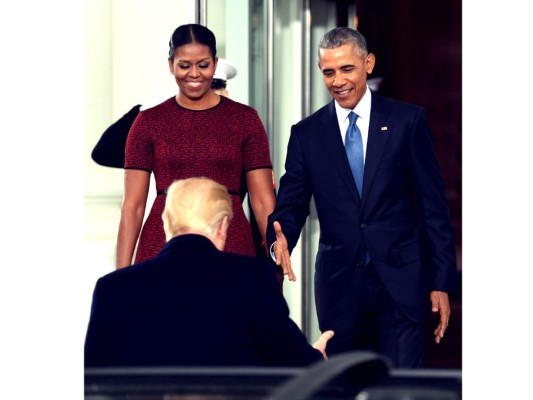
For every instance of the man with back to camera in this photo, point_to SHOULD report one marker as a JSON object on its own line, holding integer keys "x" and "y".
{"x": 194, "y": 304}
{"x": 386, "y": 253}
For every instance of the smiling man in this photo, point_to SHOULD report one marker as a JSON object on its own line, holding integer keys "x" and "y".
{"x": 386, "y": 254}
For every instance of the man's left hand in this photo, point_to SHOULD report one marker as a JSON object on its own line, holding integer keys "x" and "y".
{"x": 440, "y": 303}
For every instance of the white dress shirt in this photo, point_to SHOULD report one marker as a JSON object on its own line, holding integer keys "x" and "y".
{"x": 362, "y": 109}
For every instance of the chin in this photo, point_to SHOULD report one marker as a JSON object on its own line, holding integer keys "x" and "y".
{"x": 348, "y": 104}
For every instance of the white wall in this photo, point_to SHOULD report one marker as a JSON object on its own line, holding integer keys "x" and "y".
{"x": 287, "y": 87}
{"x": 41, "y": 103}
{"x": 228, "y": 19}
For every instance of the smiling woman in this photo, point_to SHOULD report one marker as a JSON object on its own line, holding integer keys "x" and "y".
{"x": 192, "y": 60}
{"x": 195, "y": 133}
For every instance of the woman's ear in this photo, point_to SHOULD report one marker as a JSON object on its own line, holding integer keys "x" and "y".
{"x": 171, "y": 65}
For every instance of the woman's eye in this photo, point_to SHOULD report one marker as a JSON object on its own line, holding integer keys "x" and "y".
{"x": 183, "y": 66}
{"x": 203, "y": 66}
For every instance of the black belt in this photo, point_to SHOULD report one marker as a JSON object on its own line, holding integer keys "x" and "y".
{"x": 164, "y": 192}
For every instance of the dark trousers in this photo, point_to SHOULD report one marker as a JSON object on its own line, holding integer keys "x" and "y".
{"x": 380, "y": 326}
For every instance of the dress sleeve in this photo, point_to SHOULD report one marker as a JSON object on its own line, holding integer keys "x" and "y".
{"x": 139, "y": 146}
{"x": 256, "y": 153}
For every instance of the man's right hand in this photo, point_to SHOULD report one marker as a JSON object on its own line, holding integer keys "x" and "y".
{"x": 322, "y": 342}
{"x": 281, "y": 251}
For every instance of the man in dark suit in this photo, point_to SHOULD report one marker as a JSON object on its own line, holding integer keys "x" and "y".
{"x": 386, "y": 252}
{"x": 194, "y": 304}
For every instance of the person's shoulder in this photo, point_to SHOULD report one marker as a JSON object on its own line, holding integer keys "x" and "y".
{"x": 127, "y": 275}
{"x": 241, "y": 259}
{"x": 322, "y": 113}
{"x": 379, "y": 100}
{"x": 236, "y": 107}
{"x": 248, "y": 265}
{"x": 157, "y": 104}
{"x": 155, "y": 111}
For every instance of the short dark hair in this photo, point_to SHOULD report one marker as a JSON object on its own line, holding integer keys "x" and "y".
{"x": 342, "y": 35}
{"x": 192, "y": 33}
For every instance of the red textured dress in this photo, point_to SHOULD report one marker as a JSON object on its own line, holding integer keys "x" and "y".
{"x": 176, "y": 143}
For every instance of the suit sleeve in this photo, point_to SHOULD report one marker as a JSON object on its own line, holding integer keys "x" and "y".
{"x": 110, "y": 148}
{"x": 294, "y": 194}
{"x": 281, "y": 342}
{"x": 432, "y": 207}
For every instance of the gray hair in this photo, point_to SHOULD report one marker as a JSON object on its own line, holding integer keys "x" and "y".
{"x": 342, "y": 35}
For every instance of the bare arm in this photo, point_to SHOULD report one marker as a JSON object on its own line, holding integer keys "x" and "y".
{"x": 136, "y": 184}
{"x": 261, "y": 192}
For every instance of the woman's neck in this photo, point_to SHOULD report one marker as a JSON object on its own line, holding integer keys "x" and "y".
{"x": 209, "y": 100}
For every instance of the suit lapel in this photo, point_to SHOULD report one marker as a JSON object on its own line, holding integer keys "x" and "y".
{"x": 332, "y": 139}
{"x": 379, "y": 132}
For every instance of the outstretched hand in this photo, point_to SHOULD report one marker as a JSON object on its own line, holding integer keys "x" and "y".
{"x": 440, "y": 303}
{"x": 322, "y": 342}
{"x": 281, "y": 251}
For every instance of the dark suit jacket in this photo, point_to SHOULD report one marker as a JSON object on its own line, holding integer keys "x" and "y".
{"x": 402, "y": 219}
{"x": 193, "y": 305}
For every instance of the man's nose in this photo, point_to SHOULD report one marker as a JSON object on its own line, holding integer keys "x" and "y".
{"x": 338, "y": 80}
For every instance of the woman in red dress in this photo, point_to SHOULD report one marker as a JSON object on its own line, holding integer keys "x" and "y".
{"x": 195, "y": 133}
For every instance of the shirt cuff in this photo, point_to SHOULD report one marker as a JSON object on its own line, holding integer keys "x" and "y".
{"x": 272, "y": 254}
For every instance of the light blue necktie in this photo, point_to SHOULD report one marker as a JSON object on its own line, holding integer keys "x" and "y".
{"x": 354, "y": 150}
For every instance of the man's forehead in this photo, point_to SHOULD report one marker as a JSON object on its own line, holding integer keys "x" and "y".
{"x": 341, "y": 51}
{"x": 344, "y": 56}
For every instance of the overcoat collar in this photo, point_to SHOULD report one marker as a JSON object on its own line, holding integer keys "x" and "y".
{"x": 186, "y": 242}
